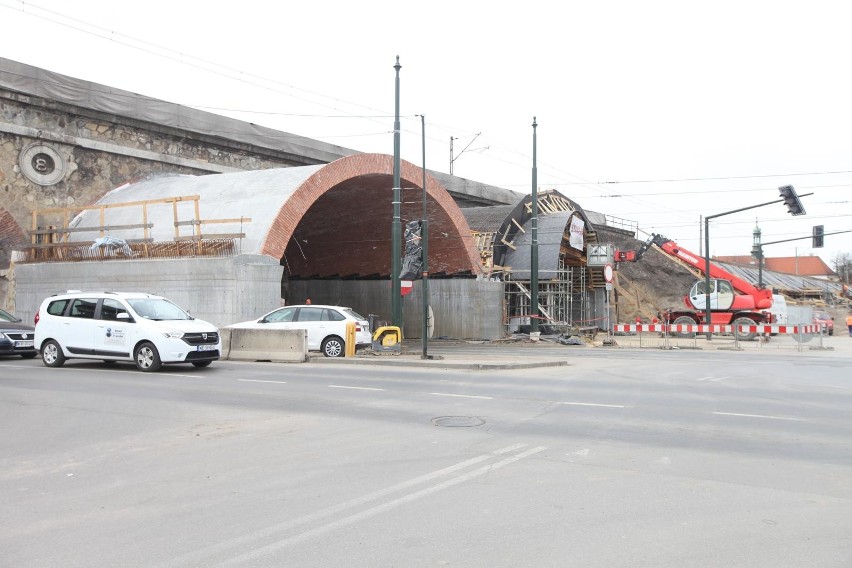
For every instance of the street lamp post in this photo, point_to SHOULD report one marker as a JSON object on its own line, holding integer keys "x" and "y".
{"x": 757, "y": 252}
{"x": 534, "y": 245}
{"x": 424, "y": 244}
{"x": 396, "y": 226}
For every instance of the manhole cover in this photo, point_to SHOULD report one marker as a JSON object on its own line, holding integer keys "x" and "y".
{"x": 458, "y": 421}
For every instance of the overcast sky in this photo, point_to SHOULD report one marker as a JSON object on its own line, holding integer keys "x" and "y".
{"x": 653, "y": 112}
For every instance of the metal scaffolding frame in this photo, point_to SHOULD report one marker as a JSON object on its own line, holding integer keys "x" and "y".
{"x": 564, "y": 301}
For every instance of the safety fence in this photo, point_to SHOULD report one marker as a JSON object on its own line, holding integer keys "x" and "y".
{"x": 670, "y": 336}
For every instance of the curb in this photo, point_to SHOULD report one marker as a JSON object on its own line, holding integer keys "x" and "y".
{"x": 397, "y": 361}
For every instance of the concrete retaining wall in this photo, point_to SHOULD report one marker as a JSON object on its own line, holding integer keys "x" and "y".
{"x": 463, "y": 308}
{"x": 219, "y": 290}
{"x": 278, "y": 345}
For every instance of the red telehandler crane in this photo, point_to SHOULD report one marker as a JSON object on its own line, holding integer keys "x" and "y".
{"x": 733, "y": 301}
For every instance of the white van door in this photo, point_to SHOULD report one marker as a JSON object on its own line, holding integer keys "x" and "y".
{"x": 76, "y": 332}
{"x": 112, "y": 330}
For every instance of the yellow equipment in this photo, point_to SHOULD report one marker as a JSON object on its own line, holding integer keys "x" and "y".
{"x": 387, "y": 338}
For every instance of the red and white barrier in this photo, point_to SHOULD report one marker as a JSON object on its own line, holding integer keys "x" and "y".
{"x": 695, "y": 328}
{"x": 639, "y": 327}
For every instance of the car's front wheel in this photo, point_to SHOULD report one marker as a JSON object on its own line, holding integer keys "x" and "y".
{"x": 147, "y": 357}
{"x": 333, "y": 346}
{"x": 51, "y": 354}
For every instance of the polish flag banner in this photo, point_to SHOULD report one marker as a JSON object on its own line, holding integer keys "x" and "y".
{"x": 405, "y": 287}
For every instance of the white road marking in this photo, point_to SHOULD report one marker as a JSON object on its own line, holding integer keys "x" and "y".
{"x": 712, "y": 379}
{"x": 242, "y": 559}
{"x": 193, "y": 558}
{"x": 760, "y": 416}
{"x": 461, "y": 395}
{"x": 162, "y": 374}
{"x": 133, "y": 371}
{"x": 593, "y": 404}
{"x": 354, "y": 388}
{"x": 260, "y": 381}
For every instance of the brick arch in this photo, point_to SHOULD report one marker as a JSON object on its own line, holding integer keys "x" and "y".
{"x": 11, "y": 233}
{"x": 342, "y": 217}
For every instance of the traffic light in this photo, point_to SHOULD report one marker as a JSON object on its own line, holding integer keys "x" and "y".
{"x": 817, "y": 236}
{"x": 791, "y": 200}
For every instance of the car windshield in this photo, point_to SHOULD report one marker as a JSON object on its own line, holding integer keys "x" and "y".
{"x": 822, "y": 316}
{"x": 6, "y": 316}
{"x": 157, "y": 309}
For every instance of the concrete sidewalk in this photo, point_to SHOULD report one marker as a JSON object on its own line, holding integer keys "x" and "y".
{"x": 525, "y": 354}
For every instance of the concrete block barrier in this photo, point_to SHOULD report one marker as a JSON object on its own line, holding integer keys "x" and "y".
{"x": 278, "y": 345}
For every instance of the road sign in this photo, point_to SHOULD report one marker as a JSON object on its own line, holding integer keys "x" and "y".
{"x": 608, "y": 273}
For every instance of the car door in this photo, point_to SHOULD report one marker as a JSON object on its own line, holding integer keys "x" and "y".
{"x": 77, "y": 334}
{"x": 113, "y": 330}
{"x": 311, "y": 319}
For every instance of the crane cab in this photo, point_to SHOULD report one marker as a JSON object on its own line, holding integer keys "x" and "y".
{"x": 722, "y": 295}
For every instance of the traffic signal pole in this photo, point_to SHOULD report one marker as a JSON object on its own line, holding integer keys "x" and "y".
{"x": 794, "y": 207}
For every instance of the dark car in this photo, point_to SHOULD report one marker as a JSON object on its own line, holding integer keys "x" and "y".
{"x": 825, "y": 321}
{"x": 16, "y": 337}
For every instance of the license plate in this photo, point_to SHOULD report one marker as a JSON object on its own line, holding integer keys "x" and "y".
{"x": 23, "y": 344}
{"x": 206, "y": 348}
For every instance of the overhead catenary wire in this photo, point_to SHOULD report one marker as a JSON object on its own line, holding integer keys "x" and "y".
{"x": 596, "y": 189}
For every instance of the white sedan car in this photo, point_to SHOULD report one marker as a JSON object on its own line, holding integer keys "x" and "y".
{"x": 326, "y": 326}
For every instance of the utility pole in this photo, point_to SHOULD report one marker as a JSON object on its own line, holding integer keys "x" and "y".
{"x": 396, "y": 226}
{"x": 454, "y": 158}
{"x": 534, "y": 246}
{"x": 424, "y": 244}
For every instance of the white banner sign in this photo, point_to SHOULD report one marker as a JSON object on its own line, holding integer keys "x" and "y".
{"x": 576, "y": 237}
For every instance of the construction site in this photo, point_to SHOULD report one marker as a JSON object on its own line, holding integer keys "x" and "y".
{"x": 148, "y": 195}
{"x": 572, "y": 294}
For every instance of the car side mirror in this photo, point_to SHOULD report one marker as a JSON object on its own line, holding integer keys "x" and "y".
{"x": 122, "y": 316}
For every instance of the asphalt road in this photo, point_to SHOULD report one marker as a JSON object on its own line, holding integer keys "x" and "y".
{"x": 620, "y": 459}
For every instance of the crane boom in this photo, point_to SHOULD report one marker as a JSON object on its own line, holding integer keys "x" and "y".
{"x": 732, "y": 299}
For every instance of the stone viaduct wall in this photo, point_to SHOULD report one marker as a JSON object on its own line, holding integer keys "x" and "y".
{"x": 57, "y": 155}
{"x": 54, "y": 154}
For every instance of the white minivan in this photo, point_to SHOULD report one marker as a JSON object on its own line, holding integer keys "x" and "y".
{"x": 122, "y": 326}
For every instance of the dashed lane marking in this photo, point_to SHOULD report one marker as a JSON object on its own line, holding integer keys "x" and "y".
{"x": 593, "y": 404}
{"x": 462, "y": 395}
{"x": 760, "y": 416}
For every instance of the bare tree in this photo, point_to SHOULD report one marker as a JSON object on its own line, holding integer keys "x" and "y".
{"x": 842, "y": 265}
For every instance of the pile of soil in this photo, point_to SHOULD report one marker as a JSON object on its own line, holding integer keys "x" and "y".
{"x": 652, "y": 284}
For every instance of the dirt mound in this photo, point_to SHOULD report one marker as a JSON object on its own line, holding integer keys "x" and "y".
{"x": 648, "y": 286}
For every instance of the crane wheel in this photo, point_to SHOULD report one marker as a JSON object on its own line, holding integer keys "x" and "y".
{"x": 744, "y": 336}
{"x": 684, "y": 320}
